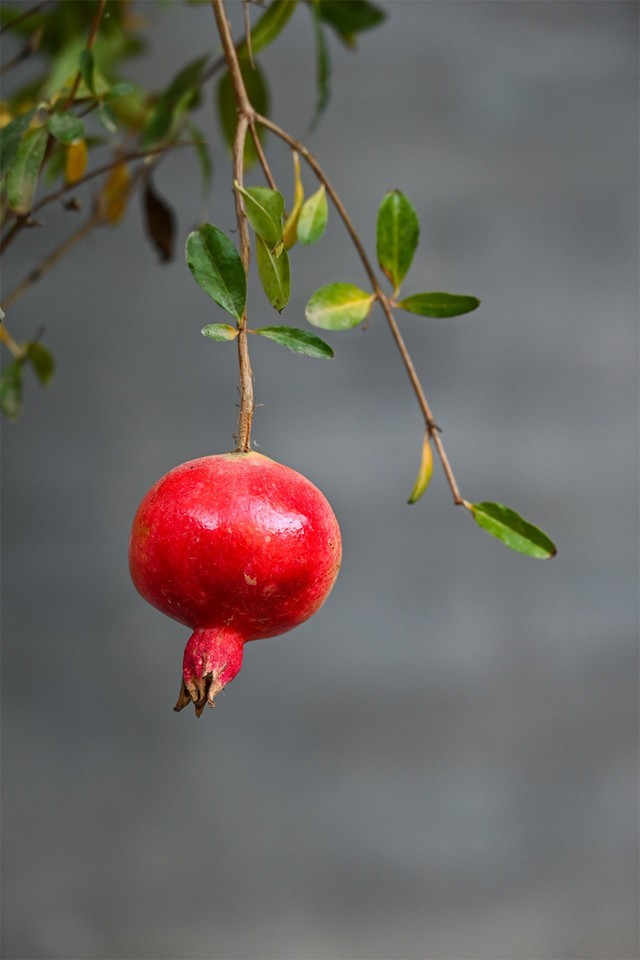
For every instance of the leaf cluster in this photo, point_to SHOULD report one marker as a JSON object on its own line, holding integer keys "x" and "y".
{"x": 28, "y": 355}
{"x": 80, "y": 106}
{"x": 216, "y": 266}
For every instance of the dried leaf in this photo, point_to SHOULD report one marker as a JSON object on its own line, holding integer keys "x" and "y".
{"x": 115, "y": 194}
{"x": 75, "y": 162}
{"x": 160, "y": 222}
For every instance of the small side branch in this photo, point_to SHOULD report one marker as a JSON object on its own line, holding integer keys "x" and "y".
{"x": 381, "y": 296}
{"x": 93, "y": 32}
{"x": 245, "y": 122}
{"x": 95, "y": 220}
{"x": 50, "y": 261}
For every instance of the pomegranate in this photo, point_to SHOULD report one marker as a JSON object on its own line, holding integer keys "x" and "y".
{"x": 237, "y": 547}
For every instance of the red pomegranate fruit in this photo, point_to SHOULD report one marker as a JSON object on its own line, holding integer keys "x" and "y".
{"x": 237, "y": 547}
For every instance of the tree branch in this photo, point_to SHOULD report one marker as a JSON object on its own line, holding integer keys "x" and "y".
{"x": 50, "y": 261}
{"x": 24, "y": 16}
{"x": 431, "y": 426}
{"x": 96, "y": 219}
{"x": 245, "y": 117}
{"x": 90, "y": 41}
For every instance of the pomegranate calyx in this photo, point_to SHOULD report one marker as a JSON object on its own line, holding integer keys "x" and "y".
{"x": 212, "y": 658}
{"x": 199, "y": 692}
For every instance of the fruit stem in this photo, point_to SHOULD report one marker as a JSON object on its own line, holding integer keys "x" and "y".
{"x": 245, "y": 121}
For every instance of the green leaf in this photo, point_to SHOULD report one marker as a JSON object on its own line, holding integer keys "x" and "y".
{"x": 264, "y": 208}
{"x": 348, "y": 17}
{"x": 87, "y": 69}
{"x": 338, "y": 306}
{"x": 297, "y": 340}
{"x": 439, "y": 304}
{"x": 69, "y": 57}
{"x": 270, "y": 24}
{"x": 424, "y": 473}
{"x": 107, "y": 118}
{"x": 516, "y": 533}
{"x": 121, "y": 89}
{"x": 313, "y": 217}
{"x": 172, "y": 103}
{"x": 11, "y": 137}
{"x": 323, "y": 67}
{"x": 204, "y": 157}
{"x": 23, "y": 175}
{"x": 290, "y": 229}
{"x": 397, "y": 233}
{"x": 216, "y": 266}
{"x": 274, "y": 275}
{"x": 219, "y": 331}
{"x": 228, "y": 109}
{"x": 41, "y": 360}
{"x": 66, "y": 127}
{"x": 11, "y": 385}
{"x": 55, "y": 165}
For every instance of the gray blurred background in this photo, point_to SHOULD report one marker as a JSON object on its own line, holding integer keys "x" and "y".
{"x": 443, "y": 763}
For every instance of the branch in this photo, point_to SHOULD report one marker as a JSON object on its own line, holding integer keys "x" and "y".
{"x": 50, "y": 261}
{"x": 24, "y": 16}
{"x": 9, "y": 342}
{"x": 96, "y": 219}
{"x": 261, "y": 155}
{"x": 245, "y": 118}
{"x": 90, "y": 41}
{"x": 23, "y": 220}
{"x": 381, "y": 296}
{"x": 27, "y": 50}
{"x": 105, "y": 168}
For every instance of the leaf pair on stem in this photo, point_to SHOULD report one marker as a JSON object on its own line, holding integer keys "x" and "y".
{"x": 217, "y": 267}
{"x": 341, "y": 306}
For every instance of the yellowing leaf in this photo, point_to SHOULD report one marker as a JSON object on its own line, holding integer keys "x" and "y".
{"x": 339, "y": 306}
{"x": 5, "y": 114}
{"x": 424, "y": 473}
{"x": 313, "y": 217}
{"x": 115, "y": 194}
{"x": 291, "y": 223}
{"x": 75, "y": 162}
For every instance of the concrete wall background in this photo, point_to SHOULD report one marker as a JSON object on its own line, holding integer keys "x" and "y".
{"x": 443, "y": 763}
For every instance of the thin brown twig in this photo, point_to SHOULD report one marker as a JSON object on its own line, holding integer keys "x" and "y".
{"x": 23, "y": 220}
{"x": 221, "y": 62}
{"x": 245, "y": 415}
{"x": 24, "y": 16}
{"x": 96, "y": 219}
{"x": 93, "y": 32}
{"x": 6, "y": 338}
{"x": 261, "y": 155}
{"x": 381, "y": 296}
{"x": 15, "y": 228}
{"x": 245, "y": 115}
{"x": 247, "y": 32}
{"x": 125, "y": 158}
{"x": 27, "y": 50}
{"x": 50, "y": 261}
{"x": 23, "y": 54}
